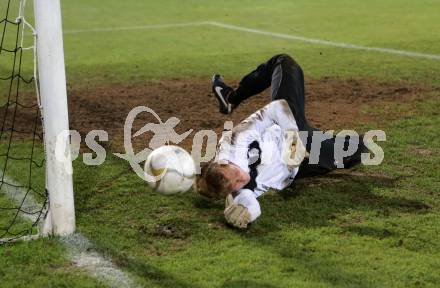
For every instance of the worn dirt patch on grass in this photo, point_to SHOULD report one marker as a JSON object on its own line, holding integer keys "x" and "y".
{"x": 330, "y": 104}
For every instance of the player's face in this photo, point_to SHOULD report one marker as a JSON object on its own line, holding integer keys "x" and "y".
{"x": 236, "y": 176}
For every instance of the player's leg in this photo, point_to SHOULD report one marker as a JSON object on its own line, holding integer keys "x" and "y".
{"x": 327, "y": 159}
{"x": 287, "y": 82}
{"x": 286, "y": 79}
{"x": 254, "y": 83}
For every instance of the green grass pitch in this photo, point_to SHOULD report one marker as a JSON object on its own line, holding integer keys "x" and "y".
{"x": 359, "y": 232}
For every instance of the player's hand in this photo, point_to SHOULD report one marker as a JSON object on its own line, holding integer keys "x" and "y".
{"x": 237, "y": 215}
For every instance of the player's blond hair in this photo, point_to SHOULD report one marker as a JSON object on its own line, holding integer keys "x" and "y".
{"x": 212, "y": 182}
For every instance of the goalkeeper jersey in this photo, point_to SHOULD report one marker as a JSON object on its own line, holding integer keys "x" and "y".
{"x": 256, "y": 145}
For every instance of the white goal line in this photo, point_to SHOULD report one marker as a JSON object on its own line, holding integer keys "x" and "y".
{"x": 140, "y": 27}
{"x": 329, "y": 43}
{"x": 80, "y": 249}
{"x": 297, "y": 38}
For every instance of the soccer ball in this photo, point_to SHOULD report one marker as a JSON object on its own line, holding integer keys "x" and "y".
{"x": 173, "y": 169}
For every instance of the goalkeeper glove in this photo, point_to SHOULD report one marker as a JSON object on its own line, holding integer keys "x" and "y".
{"x": 236, "y": 214}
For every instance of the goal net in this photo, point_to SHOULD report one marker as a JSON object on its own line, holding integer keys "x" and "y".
{"x": 25, "y": 190}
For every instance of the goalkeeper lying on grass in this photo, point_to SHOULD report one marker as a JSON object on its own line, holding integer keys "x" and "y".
{"x": 272, "y": 146}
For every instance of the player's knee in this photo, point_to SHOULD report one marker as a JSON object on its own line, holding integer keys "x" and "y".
{"x": 285, "y": 58}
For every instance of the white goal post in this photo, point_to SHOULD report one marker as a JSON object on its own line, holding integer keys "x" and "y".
{"x": 60, "y": 219}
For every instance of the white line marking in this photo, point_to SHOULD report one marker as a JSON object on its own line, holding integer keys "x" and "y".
{"x": 20, "y": 196}
{"x": 83, "y": 255}
{"x": 328, "y": 43}
{"x": 267, "y": 33}
{"x": 79, "y": 248}
{"x": 142, "y": 27}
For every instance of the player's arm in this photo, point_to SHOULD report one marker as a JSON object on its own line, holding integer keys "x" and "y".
{"x": 237, "y": 141}
{"x": 243, "y": 209}
{"x": 276, "y": 112}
